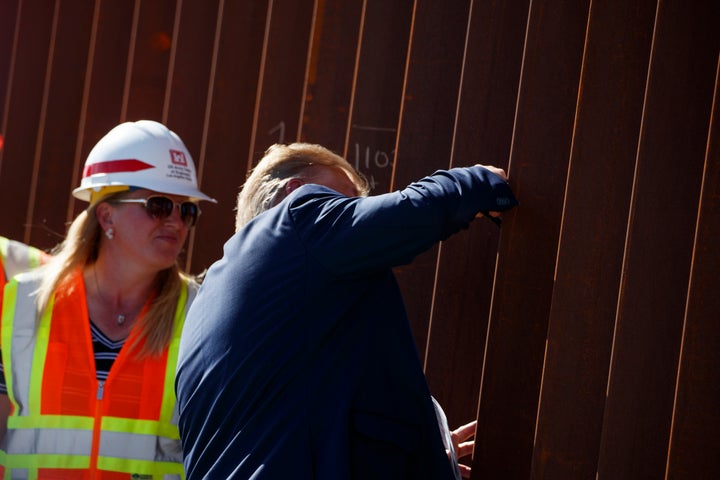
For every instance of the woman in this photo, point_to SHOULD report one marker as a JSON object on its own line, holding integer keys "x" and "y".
{"x": 89, "y": 340}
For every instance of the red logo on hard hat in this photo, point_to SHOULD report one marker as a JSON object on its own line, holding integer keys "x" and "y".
{"x": 178, "y": 158}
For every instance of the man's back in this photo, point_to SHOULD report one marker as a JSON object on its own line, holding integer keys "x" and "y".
{"x": 297, "y": 358}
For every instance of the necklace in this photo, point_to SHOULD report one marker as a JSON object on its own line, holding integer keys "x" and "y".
{"x": 121, "y": 317}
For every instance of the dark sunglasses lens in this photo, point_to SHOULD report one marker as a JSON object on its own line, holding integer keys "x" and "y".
{"x": 189, "y": 212}
{"x": 159, "y": 207}
{"x": 162, "y": 207}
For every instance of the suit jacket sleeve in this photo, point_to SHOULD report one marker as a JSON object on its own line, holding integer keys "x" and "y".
{"x": 361, "y": 235}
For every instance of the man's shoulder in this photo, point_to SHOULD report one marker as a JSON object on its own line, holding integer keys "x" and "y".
{"x": 312, "y": 191}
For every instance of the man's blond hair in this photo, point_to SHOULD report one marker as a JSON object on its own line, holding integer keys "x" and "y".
{"x": 264, "y": 187}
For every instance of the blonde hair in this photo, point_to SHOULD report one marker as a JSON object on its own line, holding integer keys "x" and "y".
{"x": 80, "y": 248}
{"x": 263, "y": 188}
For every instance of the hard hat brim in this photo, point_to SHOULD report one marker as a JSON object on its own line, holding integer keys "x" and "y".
{"x": 88, "y": 187}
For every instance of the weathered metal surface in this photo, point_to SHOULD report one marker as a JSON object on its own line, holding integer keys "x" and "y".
{"x": 582, "y": 334}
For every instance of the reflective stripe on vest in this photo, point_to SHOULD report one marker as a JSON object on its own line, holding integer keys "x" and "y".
{"x": 53, "y": 424}
{"x": 16, "y": 257}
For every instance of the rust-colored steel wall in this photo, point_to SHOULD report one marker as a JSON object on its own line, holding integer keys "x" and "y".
{"x": 583, "y": 335}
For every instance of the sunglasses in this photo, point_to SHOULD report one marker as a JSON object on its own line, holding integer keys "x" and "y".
{"x": 160, "y": 208}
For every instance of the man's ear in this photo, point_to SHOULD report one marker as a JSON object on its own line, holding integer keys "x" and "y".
{"x": 292, "y": 184}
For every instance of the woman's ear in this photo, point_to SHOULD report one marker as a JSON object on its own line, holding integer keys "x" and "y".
{"x": 292, "y": 184}
{"x": 103, "y": 213}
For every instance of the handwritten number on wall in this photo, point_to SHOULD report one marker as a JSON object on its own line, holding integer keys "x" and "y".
{"x": 280, "y": 129}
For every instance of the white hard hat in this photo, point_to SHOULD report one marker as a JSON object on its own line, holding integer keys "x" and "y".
{"x": 142, "y": 154}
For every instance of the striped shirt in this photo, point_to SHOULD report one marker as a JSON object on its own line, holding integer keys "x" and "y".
{"x": 106, "y": 351}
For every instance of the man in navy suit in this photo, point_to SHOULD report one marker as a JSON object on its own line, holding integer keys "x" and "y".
{"x": 297, "y": 359}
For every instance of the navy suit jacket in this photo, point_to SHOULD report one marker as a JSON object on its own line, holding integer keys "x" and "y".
{"x": 297, "y": 359}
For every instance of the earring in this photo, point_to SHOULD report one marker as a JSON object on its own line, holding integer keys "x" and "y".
{"x": 110, "y": 233}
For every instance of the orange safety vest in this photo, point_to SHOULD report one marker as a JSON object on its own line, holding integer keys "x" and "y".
{"x": 16, "y": 257}
{"x": 65, "y": 423}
